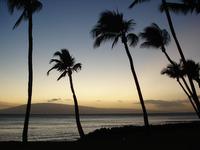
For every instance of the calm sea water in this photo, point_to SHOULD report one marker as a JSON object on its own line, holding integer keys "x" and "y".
{"x": 63, "y": 127}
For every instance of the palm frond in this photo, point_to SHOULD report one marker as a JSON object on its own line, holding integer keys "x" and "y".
{"x": 54, "y": 60}
{"x": 173, "y": 70}
{"x": 132, "y": 39}
{"x": 56, "y": 66}
{"x": 65, "y": 63}
{"x": 115, "y": 41}
{"x": 62, "y": 75}
{"x": 77, "y": 67}
{"x": 135, "y": 2}
{"x": 154, "y": 36}
{"x": 19, "y": 20}
{"x": 109, "y": 27}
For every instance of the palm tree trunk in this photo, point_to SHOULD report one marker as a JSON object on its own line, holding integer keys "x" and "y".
{"x": 168, "y": 58}
{"x": 189, "y": 97}
{"x": 146, "y": 121}
{"x": 78, "y": 123}
{"x": 30, "y": 78}
{"x": 194, "y": 95}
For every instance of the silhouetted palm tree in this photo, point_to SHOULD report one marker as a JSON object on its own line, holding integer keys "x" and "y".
{"x": 112, "y": 26}
{"x": 194, "y": 93}
{"x": 66, "y": 65}
{"x": 193, "y": 69}
{"x": 156, "y": 37}
{"x": 165, "y": 9}
{"x": 28, "y": 7}
{"x": 175, "y": 71}
{"x": 184, "y": 6}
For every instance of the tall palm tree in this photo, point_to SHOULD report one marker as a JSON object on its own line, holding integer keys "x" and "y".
{"x": 184, "y": 6}
{"x": 165, "y": 9}
{"x": 175, "y": 71}
{"x": 28, "y": 7}
{"x": 194, "y": 93}
{"x": 156, "y": 37}
{"x": 66, "y": 65}
{"x": 112, "y": 26}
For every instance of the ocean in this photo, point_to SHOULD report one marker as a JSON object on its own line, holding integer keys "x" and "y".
{"x": 63, "y": 127}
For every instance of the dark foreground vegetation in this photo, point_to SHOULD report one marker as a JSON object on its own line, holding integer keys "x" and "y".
{"x": 180, "y": 136}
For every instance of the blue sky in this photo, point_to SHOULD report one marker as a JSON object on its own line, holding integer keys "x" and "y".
{"x": 105, "y": 78}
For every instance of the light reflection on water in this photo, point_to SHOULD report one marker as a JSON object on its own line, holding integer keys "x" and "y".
{"x": 63, "y": 127}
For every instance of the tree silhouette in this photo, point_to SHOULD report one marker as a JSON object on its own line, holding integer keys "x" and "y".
{"x": 112, "y": 26}
{"x": 28, "y": 7}
{"x": 66, "y": 65}
{"x": 157, "y": 38}
{"x": 193, "y": 69}
{"x": 194, "y": 93}
{"x": 164, "y": 8}
{"x": 175, "y": 71}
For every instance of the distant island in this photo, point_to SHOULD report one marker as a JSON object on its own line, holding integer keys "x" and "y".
{"x": 55, "y": 108}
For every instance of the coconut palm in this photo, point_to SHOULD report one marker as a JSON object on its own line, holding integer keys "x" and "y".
{"x": 164, "y": 8}
{"x": 156, "y": 37}
{"x": 66, "y": 65}
{"x": 184, "y": 6}
{"x": 28, "y": 7}
{"x": 175, "y": 71}
{"x": 194, "y": 93}
{"x": 112, "y": 26}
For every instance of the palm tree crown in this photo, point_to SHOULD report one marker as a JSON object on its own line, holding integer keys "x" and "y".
{"x": 173, "y": 71}
{"x": 25, "y": 6}
{"x": 155, "y": 37}
{"x": 193, "y": 69}
{"x": 65, "y": 64}
{"x": 112, "y": 26}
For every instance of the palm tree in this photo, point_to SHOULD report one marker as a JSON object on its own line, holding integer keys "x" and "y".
{"x": 66, "y": 65}
{"x": 193, "y": 69}
{"x": 185, "y": 6}
{"x": 112, "y": 26}
{"x": 28, "y": 7}
{"x": 194, "y": 93}
{"x": 175, "y": 71}
{"x": 165, "y": 9}
{"x": 157, "y": 38}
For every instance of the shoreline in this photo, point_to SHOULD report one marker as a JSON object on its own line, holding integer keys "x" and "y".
{"x": 169, "y": 136}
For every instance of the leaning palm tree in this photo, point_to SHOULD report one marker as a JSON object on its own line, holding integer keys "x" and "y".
{"x": 194, "y": 93}
{"x": 175, "y": 71}
{"x": 66, "y": 65}
{"x": 28, "y": 7}
{"x": 165, "y": 9}
{"x": 156, "y": 37}
{"x": 112, "y": 26}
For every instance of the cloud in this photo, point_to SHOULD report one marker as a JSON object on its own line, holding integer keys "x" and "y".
{"x": 120, "y": 101}
{"x": 98, "y": 100}
{"x": 168, "y": 106}
{"x": 54, "y": 100}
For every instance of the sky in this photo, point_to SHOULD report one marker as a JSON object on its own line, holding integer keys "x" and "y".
{"x": 105, "y": 79}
